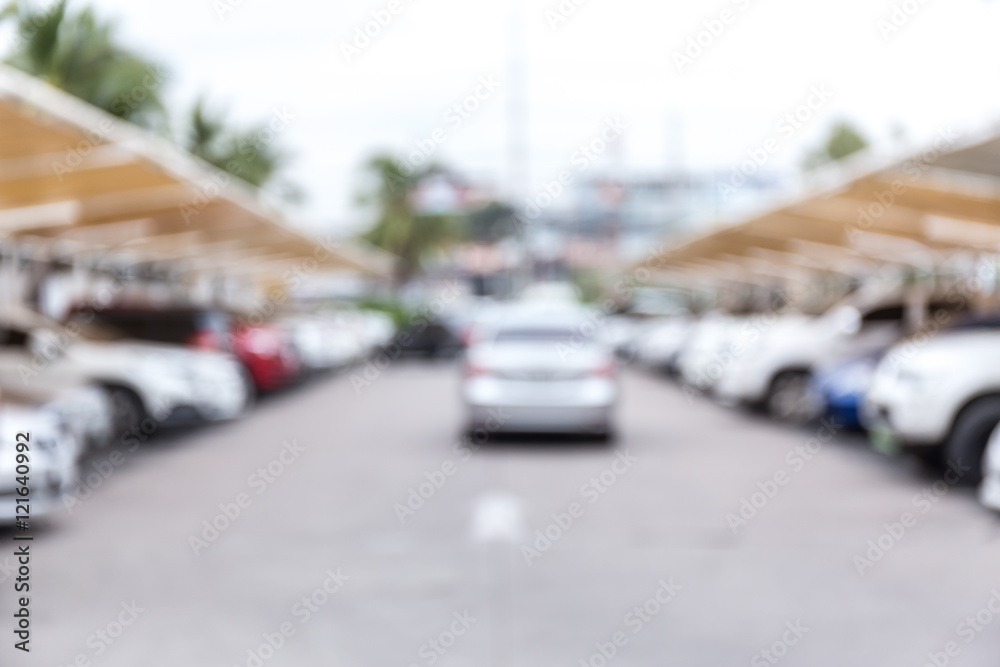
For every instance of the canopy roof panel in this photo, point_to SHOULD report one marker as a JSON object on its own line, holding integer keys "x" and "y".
{"x": 916, "y": 211}
{"x": 69, "y": 171}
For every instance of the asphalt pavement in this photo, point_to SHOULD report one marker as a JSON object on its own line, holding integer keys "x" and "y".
{"x": 348, "y": 523}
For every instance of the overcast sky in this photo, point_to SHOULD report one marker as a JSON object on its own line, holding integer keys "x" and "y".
{"x": 609, "y": 58}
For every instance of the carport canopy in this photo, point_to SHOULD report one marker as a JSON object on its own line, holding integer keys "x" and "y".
{"x": 917, "y": 212}
{"x": 73, "y": 177}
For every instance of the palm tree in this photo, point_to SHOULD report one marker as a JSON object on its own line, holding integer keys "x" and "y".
{"x": 399, "y": 228}
{"x": 245, "y": 153}
{"x": 79, "y": 52}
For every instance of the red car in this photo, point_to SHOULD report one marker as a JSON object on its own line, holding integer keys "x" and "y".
{"x": 267, "y": 354}
{"x": 263, "y": 349}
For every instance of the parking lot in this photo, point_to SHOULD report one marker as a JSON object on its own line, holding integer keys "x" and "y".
{"x": 355, "y": 524}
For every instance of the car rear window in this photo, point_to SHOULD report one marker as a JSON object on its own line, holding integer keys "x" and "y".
{"x": 537, "y": 335}
{"x": 160, "y": 327}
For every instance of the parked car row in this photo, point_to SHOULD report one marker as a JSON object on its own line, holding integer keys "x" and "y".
{"x": 919, "y": 375}
{"x": 106, "y": 374}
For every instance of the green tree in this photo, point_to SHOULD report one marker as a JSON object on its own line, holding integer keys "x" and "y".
{"x": 250, "y": 154}
{"x": 843, "y": 140}
{"x": 492, "y": 222}
{"x": 399, "y": 227}
{"x": 79, "y": 52}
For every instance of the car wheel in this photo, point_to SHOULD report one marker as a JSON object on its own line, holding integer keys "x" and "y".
{"x": 605, "y": 435}
{"x": 790, "y": 398}
{"x": 967, "y": 442}
{"x": 127, "y": 410}
{"x": 929, "y": 456}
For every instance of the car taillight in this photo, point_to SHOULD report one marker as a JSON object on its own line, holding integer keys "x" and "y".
{"x": 263, "y": 342}
{"x": 205, "y": 340}
{"x": 607, "y": 369}
{"x": 471, "y": 335}
{"x": 475, "y": 370}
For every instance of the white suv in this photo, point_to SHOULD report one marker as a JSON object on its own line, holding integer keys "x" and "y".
{"x": 144, "y": 380}
{"x": 774, "y": 364}
{"x": 939, "y": 398}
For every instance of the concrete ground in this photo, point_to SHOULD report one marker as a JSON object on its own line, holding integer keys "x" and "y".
{"x": 377, "y": 538}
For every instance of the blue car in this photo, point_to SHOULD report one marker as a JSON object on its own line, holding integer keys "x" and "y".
{"x": 842, "y": 386}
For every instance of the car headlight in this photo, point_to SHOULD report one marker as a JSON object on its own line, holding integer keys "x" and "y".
{"x": 917, "y": 379}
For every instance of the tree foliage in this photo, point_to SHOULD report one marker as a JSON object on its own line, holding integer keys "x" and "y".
{"x": 399, "y": 227}
{"x": 844, "y": 140}
{"x": 80, "y": 52}
{"x": 249, "y": 153}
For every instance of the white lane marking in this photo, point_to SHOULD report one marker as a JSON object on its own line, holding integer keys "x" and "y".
{"x": 498, "y": 517}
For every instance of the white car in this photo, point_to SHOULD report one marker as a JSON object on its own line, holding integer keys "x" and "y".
{"x": 773, "y": 367}
{"x": 144, "y": 380}
{"x": 989, "y": 490}
{"x": 322, "y": 343}
{"x": 52, "y": 457}
{"x": 661, "y": 341}
{"x": 84, "y": 409}
{"x": 707, "y": 350}
{"x": 940, "y": 398}
{"x": 541, "y": 369}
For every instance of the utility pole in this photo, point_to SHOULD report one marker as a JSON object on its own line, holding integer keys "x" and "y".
{"x": 518, "y": 157}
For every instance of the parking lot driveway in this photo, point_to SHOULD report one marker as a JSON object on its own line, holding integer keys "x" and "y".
{"x": 348, "y": 524}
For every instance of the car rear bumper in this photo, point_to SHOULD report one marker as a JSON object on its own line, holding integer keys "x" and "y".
{"x": 504, "y": 405}
{"x": 565, "y": 419}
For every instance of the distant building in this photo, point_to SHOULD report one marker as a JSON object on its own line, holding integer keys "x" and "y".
{"x": 625, "y": 216}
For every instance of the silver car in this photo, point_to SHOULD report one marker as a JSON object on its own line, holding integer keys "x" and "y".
{"x": 541, "y": 369}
